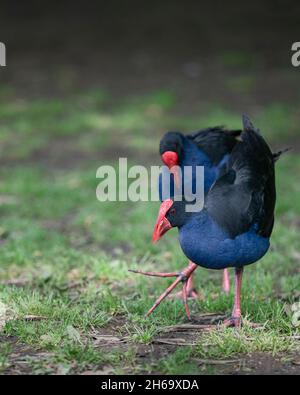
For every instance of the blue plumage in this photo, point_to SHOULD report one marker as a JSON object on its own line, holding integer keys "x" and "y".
{"x": 192, "y": 156}
{"x": 212, "y": 247}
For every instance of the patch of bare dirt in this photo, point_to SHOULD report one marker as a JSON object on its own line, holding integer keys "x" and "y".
{"x": 114, "y": 337}
{"x": 261, "y": 364}
{"x": 168, "y": 339}
{"x": 21, "y": 356}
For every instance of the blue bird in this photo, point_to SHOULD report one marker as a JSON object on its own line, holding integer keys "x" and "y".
{"x": 210, "y": 148}
{"x": 234, "y": 227}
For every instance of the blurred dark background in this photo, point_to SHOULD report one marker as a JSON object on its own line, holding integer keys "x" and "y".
{"x": 200, "y": 50}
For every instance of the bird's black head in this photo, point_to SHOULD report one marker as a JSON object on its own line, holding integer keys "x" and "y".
{"x": 171, "y": 142}
{"x": 171, "y": 214}
{"x": 177, "y": 215}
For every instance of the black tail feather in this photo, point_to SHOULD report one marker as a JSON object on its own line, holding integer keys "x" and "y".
{"x": 277, "y": 155}
{"x": 248, "y": 125}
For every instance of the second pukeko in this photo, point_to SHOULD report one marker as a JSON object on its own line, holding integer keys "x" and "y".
{"x": 210, "y": 148}
{"x": 235, "y": 225}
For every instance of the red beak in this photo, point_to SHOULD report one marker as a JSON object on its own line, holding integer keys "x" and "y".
{"x": 162, "y": 224}
{"x": 171, "y": 160}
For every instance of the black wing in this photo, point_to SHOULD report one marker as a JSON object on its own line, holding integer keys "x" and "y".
{"x": 216, "y": 142}
{"x": 245, "y": 195}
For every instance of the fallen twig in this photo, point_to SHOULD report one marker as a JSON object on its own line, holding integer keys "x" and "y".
{"x": 215, "y": 361}
{"x": 15, "y": 281}
{"x": 174, "y": 342}
{"x": 184, "y": 327}
{"x": 32, "y": 317}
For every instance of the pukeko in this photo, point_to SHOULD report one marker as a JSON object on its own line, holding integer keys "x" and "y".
{"x": 235, "y": 225}
{"x": 210, "y": 148}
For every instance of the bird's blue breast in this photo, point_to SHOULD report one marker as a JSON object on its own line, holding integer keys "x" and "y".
{"x": 207, "y": 245}
{"x": 191, "y": 156}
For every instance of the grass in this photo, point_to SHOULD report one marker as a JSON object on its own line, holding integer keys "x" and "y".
{"x": 5, "y": 351}
{"x": 229, "y": 343}
{"x": 68, "y": 254}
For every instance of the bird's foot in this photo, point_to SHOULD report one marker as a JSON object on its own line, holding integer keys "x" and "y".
{"x": 182, "y": 276}
{"x": 191, "y": 294}
{"x": 233, "y": 322}
{"x": 190, "y": 290}
{"x": 238, "y": 322}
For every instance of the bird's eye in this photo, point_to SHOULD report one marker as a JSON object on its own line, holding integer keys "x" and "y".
{"x": 172, "y": 211}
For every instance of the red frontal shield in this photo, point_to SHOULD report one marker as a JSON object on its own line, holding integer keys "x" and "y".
{"x": 171, "y": 160}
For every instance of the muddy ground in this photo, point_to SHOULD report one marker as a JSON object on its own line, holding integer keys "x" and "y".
{"x": 23, "y": 357}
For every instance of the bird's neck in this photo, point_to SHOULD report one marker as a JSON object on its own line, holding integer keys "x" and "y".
{"x": 193, "y": 155}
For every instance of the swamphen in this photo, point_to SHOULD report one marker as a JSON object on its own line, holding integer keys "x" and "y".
{"x": 209, "y": 148}
{"x": 235, "y": 225}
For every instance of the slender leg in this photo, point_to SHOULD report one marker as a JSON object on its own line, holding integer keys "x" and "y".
{"x": 226, "y": 281}
{"x": 182, "y": 276}
{"x": 190, "y": 290}
{"x": 184, "y": 295}
{"x": 192, "y": 293}
{"x": 236, "y": 317}
{"x": 154, "y": 274}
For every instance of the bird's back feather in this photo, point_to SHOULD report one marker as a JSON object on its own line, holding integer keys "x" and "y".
{"x": 244, "y": 197}
{"x": 216, "y": 142}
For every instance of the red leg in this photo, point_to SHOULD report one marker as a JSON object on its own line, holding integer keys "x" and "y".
{"x": 185, "y": 296}
{"x": 164, "y": 295}
{"x": 182, "y": 276}
{"x": 155, "y": 274}
{"x": 192, "y": 293}
{"x": 190, "y": 290}
{"x": 226, "y": 281}
{"x": 236, "y": 317}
